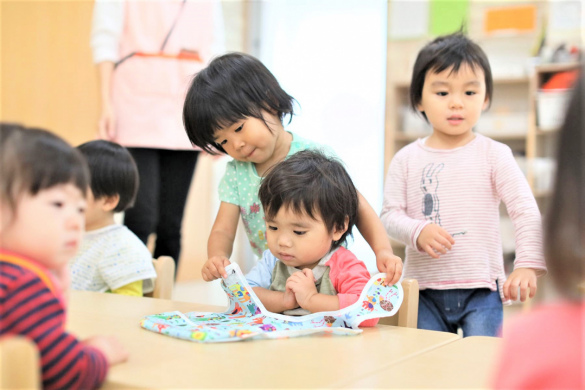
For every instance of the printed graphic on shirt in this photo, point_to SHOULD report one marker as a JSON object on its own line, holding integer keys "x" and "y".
{"x": 429, "y": 185}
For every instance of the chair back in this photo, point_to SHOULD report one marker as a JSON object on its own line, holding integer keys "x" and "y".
{"x": 20, "y": 364}
{"x": 407, "y": 315}
{"x": 165, "y": 278}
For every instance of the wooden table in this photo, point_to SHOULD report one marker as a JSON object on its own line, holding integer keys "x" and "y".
{"x": 158, "y": 361}
{"x": 465, "y": 363}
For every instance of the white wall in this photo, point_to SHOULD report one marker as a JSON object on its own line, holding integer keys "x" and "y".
{"x": 330, "y": 55}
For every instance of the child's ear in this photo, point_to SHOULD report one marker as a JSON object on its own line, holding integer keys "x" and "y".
{"x": 109, "y": 203}
{"x": 337, "y": 233}
{"x": 486, "y": 103}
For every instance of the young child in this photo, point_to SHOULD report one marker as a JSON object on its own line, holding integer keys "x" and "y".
{"x": 111, "y": 258}
{"x": 236, "y": 106}
{"x": 43, "y": 182}
{"x": 310, "y": 205}
{"x": 442, "y": 197}
{"x": 544, "y": 349}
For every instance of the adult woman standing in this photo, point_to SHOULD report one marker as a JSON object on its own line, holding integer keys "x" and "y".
{"x": 146, "y": 53}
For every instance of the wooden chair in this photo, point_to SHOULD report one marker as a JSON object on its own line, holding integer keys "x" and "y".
{"x": 165, "y": 278}
{"x": 407, "y": 315}
{"x": 19, "y": 363}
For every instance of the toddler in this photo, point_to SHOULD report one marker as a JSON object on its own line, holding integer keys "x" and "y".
{"x": 111, "y": 258}
{"x": 442, "y": 197}
{"x": 310, "y": 205}
{"x": 43, "y": 182}
{"x": 236, "y": 106}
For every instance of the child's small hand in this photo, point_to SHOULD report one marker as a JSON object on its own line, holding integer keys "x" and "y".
{"x": 110, "y": 346}
{"x": 289, "y": 300}
{"x": 433, "y": 239}
{"x": 391, "y": 264}
{"x": 214, "y": 268}
{"x": 525, "y": 278}
{"x": 302, "y": 284}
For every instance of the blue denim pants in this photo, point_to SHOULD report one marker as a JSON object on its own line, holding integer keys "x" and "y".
{"x": 478, "y": 312}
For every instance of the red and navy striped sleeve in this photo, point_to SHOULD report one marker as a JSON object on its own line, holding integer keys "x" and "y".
{"x": 29, "y": 308}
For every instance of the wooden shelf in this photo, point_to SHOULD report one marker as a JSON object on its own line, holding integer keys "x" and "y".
{"x": 546, "y": 132}
{"x": 554, "y": 68}
{"x": 541, "y": 193}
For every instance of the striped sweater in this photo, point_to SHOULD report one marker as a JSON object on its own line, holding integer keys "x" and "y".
{"x": 460, "y": 189}
{"x": 30, "y": 305}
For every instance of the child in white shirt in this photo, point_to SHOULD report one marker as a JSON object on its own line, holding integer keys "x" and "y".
{"x": 111, "y": 258}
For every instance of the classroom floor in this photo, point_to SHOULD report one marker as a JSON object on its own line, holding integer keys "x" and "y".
{"x": 212, "y": 294}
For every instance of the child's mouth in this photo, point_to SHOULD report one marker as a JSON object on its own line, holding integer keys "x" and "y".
{"x": 455, "y": 120}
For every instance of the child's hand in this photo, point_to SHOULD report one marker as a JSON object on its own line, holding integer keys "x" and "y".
{"x": 391, "y": 264}
{"x": 302, "y": 284}
{"x": 110, "y": 346}
{"x": 433, "y": 239}
{"x": 289, "y": 299}
{"x": 214, "y": 268}
{"x": 525, "y": 278}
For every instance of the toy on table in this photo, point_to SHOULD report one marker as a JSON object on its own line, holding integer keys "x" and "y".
{"x": 246, "y": 317}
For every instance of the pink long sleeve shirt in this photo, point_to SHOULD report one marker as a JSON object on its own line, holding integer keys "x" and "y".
{"x": 460, "y": 189}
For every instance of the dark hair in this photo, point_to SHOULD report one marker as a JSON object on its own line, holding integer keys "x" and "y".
{"x": 309, "y": 182}
{"x": 564, "y": 227}
{"x": 449, "y": 51}
{"x": 234, "y": 86}
{"x": 32, "y": 160}
{"x": 112, "y": 171}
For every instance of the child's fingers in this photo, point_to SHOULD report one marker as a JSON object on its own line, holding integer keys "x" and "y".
{"x": 533, "y": 288}
{"x": 430, "y": 251}
{"x": 390, "y": 271}
{"x": 445, "y": 242}
{"x": 506, "y": 289}
{"x": 438, "y": 247}
{"x": 523, "y": 290}
{"x": 445, "y": 234}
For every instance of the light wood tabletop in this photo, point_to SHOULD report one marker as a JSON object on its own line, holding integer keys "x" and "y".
{"x": 158, "y": 361}
{"x": 465, "y": 363}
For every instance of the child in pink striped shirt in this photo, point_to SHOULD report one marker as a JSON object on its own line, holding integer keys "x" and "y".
{"x": 442, "y": 197}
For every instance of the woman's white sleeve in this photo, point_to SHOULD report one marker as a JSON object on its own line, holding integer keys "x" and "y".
{"x": 106, "y": 30}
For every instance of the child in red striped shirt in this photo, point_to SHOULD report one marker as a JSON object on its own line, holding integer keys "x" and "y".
{"x": 43, "y": 184}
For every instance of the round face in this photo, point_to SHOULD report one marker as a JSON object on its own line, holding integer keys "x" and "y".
{"x": 250, "y": 140}
{"x": 453, "y": 102}
{"x": 299, "y": 240}
{"x": 46, "y": 227}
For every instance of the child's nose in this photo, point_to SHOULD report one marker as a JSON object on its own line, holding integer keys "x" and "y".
{"x": 283, "y": 240}
{"x": 455, "y": 101}
{"x": 75, "y": 221}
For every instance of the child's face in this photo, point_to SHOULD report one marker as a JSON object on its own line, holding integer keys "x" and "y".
{"x": 99, "y": 212}
{"x": 453, "y": 102}
{"x": 250, "y": 140}
{"x": 299, "y": 240}
{"x": 46, "y": 227}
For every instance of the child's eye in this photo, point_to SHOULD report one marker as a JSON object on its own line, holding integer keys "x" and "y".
{"x": 298, "y": 233}
{"x": 81, "y": 210}
{"x": 239, "y": 128}
{"x": 223, "y": 142}
{"x": 442, "y": 93}
{"x": 273, "y": 228}
{"x": 470, "y": 93}
{"x": 57, "y": 204}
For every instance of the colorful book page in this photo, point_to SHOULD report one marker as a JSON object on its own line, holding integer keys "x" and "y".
{"x": 246, "y": 317}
